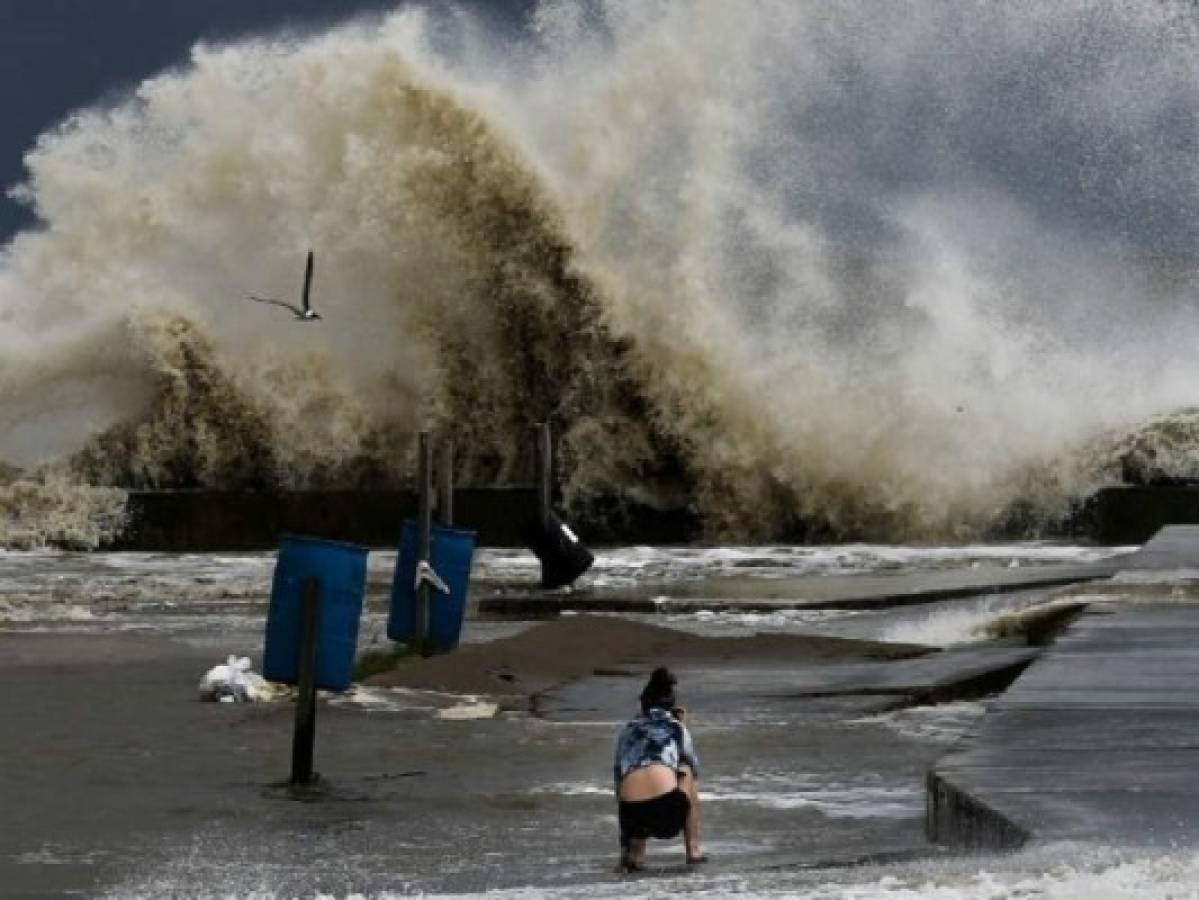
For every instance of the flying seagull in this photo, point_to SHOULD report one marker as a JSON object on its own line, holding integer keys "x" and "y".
{"x": 304, "y": 312}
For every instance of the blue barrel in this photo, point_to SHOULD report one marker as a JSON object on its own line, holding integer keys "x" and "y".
{"x": 450, "y": 554}
{"x": 341, "y": 569}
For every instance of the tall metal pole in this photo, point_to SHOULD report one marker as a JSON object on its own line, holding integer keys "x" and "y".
{"x": 305, "y": 730}
{"x": 545, "y": 472}
{"x": 424, "y": 540}
{"x": 445, "y": 483}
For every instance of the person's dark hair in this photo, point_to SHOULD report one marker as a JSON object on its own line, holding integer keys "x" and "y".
{"x": 659, "y": 690}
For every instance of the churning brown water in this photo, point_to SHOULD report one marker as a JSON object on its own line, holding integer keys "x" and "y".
{"x": 895, "y": 272}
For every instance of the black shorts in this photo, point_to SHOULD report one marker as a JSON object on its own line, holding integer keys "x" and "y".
{"x": 662, "y": 817}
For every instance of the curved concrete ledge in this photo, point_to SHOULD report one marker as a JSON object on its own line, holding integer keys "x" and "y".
{"x": 955, "y": 818}
{"x": 1098, "y": 739}
{"x": 808, "y": 592}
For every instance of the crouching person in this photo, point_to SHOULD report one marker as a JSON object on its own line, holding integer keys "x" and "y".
{"x": 656, "y": 774}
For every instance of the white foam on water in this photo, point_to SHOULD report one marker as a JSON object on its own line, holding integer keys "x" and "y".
{"x": 14, "y": 611}
{"x": 1057, "y": 872}
{"x": 115, "y": 582}
{"x": 637, "y": 564}
{"x": 376, "y": 699}
{"x": 864, "y": 797}
{"x": 784, "y": 621}
{"x": 574, "y": 788}
{"x": 836, "y": 803}
{"x": 469, "y": 711}
{"x": 861, "y": 797}
{"x": 130, "y": 584}
{"x": 1155, "y": 577}
{"x": 58, "y": 855}
{"x": 953, "y": 623}
{"x": 942, "y": 722}
{"x": 401, "y": 699}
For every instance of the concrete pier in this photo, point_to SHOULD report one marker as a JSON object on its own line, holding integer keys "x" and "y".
{"x": 1098, "y": 739}
{"x": 807, "y": 592}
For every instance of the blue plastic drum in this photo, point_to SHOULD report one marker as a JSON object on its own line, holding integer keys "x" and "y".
{"x": 341, "y": 569}
{"x": 451, "y": 551}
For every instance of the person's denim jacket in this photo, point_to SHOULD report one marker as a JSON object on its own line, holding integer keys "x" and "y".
{"x": 653, "y": 737}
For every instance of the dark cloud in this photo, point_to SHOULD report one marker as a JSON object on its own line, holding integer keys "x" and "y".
{"x": 59, "y": 55}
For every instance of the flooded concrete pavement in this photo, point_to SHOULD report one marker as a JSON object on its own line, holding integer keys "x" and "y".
{"x": 118, "y": 782}
{"x": 127, "y": 785}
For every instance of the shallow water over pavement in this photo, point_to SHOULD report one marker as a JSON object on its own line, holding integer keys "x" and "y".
{"x": 813, "y": 796}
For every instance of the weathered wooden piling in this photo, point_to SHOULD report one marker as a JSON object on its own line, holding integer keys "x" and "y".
{"x": 304, "y": 738}
{"x": 445, "y": 483}
{"x": 545, "y": 472}
{"x": 424, "y": 541}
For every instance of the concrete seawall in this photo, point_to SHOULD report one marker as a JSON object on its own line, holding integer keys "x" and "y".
{"x": 239, "y": 520}
{"x": 1132, "y": 514}
{"x": 956, "y": 818}
{"x": 1098, "y": 739}
{"x": 204, "y": 520}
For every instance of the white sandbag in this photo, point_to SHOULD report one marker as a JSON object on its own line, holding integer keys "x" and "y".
{"x": 235, "y": 682}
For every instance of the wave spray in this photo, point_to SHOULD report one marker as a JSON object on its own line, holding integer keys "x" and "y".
{"x": 891, "y": 272}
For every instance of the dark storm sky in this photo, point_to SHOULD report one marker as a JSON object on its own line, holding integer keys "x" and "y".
{"x": 59, "y": 55}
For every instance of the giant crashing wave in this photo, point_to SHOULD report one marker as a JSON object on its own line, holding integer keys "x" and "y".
{"x": 752, "y": 261}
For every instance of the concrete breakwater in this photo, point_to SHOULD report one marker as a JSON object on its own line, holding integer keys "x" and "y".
{"x": 1097, "y": 739}
{"x": 206, "y": 520}
{"x": 203, "y": 520}
{"x": 1132, "y": 514}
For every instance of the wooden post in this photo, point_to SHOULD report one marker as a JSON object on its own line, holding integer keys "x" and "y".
{"x": 305, "y": 731}
{"x": 424, "y": 541}
{"x": 545, "y": 472}
{"x": 445, "y": 483}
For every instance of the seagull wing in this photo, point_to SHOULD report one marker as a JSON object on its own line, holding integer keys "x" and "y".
{"x": 307, "y": 284}
{"x": 295, "y": 309}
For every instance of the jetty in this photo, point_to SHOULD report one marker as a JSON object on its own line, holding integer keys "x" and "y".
{"x": 1098, "y": 738}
